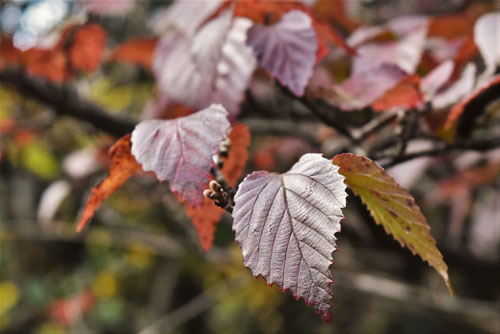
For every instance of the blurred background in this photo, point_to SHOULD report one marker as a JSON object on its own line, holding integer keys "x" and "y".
{"x": 139, "y": 267}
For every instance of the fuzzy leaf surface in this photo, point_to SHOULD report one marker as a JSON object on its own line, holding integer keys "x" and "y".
{"x": 180, "y": 150}
{"x": 286, "y": 225}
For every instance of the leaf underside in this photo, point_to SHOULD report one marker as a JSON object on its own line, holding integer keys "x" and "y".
{"x": 392, "y": 207}
{"x": 213, "y": 66}
{"x": 286, "y": 224}
{"x": 180, "y": 150}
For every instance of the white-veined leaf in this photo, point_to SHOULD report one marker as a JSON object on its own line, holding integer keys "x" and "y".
{"x": 287, "y": 50}
{"x": 180, "y": 150}
{"x": 286, "y": 225}
{"x": 215, "y": 66}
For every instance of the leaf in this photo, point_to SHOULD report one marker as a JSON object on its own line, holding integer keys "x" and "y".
{"x": 287, "y": 50}
{"x": 474, "y": 104}
{"x": 180, "y": 150}
{"x": 406, "y": 94}
{"x": 405, "y": 53}
{"x": 215, "y": 66}
{"x": 362, "y": 89}
{"x": 457, "y": 90}
{"x": 205, "y": 219}
{"x": 234, "y": 164}
{"x": 487, "y": 38}
{"x": 286, "y": 224}
{"x": 269, "y": 12}
{"x": 136, "y": 51}
{"x": 50, "y": 64}
{"x": 436, "y": 79}
{"x": 109, "y": 7}
{"x": 336, "y": 11}
{"x": 88, "y": 45}
{"x": 69, "y": 310}
{"x": 184, "y": 15}
{"x": 123, "y": 166}
{"x": 450, "y": 26}
{"x": 392, "y": 207}
{"x": 8, "y": 53}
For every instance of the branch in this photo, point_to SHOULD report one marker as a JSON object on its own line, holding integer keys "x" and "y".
{"x": 482, "y": 144}
{"x": 65, "y": 101}
{"x": 373, "y": 126}
{"x": 304, "y": 129}
{"x": 321, "y": 113}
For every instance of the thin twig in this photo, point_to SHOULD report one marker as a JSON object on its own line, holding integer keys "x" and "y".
{"x": 373, "y": 126}
{"x": 482, "y": 144}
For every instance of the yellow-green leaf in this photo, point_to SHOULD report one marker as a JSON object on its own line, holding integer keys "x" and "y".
{"x": 392, "y": 207}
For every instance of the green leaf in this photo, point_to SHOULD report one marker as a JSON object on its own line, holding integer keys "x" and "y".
{"x": 38, "y": 159}
{"x": 392, "y": 207}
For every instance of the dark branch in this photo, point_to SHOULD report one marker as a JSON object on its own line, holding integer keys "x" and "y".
{"x": 65, "y": 101}
{"x": 482, "y": 144}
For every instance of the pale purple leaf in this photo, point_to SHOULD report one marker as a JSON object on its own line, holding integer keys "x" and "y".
{"x": 51, "y": 200}
{"x": 406, "y": 24}
{"x": 215, "y": 66}
{"x": 484, "y": 237}
{"x": 442, "y": 49}
{"x": 487, "y": 38}
{"x": 436, "y": 79}
{"x": 286, "y": 224}
{"x": 361, "y": 89}
{"x": 287, "y": 50}
{"x": 405, "y": 53}
{"x": 180, "y": 150}
{"x": 456, "y": 91}
{"x": 184, "y": 15}
{"x": 364, "y": 34}
{"x": 108, "y": 7}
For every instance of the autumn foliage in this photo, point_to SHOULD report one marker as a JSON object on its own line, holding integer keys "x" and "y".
{"x": 326, "y": 103}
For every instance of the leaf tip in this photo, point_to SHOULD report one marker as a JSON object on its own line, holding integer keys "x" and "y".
{"x": 81, "y": 224}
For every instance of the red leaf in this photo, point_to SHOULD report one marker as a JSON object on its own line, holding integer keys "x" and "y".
{"x": 450, "y": 26}
{"x": 327, "y": 34}
{"x": 335, "y": 11}
{"x": 238, "y": 154}
{"x": 8, "y": 53}
{"x": 466, "y": 52}
{"x": 205, "y": 219}
{"x": 489, "y": 91}
{"x": 67, "y": 311}
{"x": 405, "y": 94}
{"x": 137, "y": 51}
{"x": 50, "y": 64}
{"x": 86, "y": 49}
{"x": 123, "y": 166}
